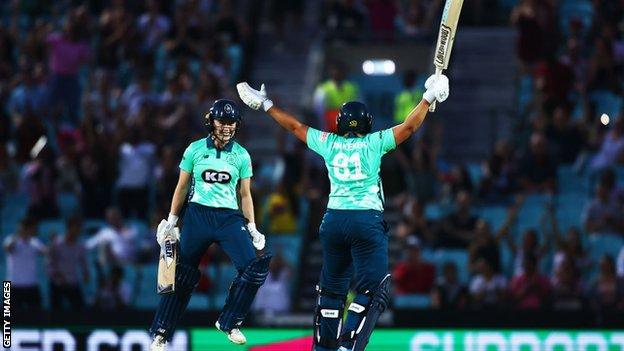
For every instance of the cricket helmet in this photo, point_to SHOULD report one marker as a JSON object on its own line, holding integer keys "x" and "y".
{"x": 225, "y": 111}
{"x": 354, "y": 118}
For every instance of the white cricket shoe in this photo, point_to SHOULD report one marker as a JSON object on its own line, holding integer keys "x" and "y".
{"x": 159, "y": 344}
{"x": 234, "y": 335}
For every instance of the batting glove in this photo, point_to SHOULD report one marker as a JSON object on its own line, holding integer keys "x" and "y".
{"x": 257, "y": 238}
{"x": 254, "y": 98}
{"x": 166, "y": 228}
{"x": 437, "y": 88}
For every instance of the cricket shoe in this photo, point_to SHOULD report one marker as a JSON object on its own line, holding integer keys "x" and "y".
{"x": 342, "y": 348}
{"x": 159, "y": 344}
{"x": 234, "y": 335}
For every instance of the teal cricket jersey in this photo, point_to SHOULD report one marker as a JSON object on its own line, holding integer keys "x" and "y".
{"x": 353, "y": 165}
{"x": 216, "y": 172}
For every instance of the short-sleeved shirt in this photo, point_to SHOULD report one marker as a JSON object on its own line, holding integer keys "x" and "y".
{"x": 216, "y": 172}
{"x": 353, "y": 165}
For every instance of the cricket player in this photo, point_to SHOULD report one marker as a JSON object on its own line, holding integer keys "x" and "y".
{"x": 211, "y": 168}
{"x": 353, "y": 233}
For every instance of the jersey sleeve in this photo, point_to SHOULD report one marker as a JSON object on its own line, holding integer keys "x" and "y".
{"x": 246, "y": 170}
{"x": 383, "y": 141}
{"x": 186, "y": 164}
{"x": 319, "y": 142}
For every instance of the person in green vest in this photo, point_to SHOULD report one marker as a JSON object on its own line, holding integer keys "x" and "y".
{"x": 405, "y": 101}
{"x": 332, "y": 93}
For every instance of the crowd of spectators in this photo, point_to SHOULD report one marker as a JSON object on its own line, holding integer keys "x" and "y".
{"x": 391, "y": 20}
{"x": 573, "y": 64}
{"x": 98, "y": 100}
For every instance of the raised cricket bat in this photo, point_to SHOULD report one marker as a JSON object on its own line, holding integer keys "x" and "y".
{"x": 167, "y": 265}
{"x": 446, "y": 36}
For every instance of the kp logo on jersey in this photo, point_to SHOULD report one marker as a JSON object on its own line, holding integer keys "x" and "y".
{"x": 212, "y": 176}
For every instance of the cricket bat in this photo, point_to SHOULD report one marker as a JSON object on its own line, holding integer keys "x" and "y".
{"x": 167, "y": 264}
{"x": 446, "y": 36}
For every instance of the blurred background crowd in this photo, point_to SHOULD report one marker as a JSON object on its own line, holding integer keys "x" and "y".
{"x": 99, "y": 99}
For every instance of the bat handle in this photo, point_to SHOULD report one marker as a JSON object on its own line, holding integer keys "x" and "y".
{"x": 432, "y": 107}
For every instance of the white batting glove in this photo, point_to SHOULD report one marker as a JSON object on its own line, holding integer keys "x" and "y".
{"x": 437, "y": 88}
{"x": 166, "y": 228}
{"x": 254, "y": 98}
{"x": 429, "y": 82}
{"x": 257, "y": 238}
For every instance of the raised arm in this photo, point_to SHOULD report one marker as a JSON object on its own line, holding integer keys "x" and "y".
{"x": 258, "y": 98}
{"x": 289, "y": 122}
{"x": 437, "y": 90}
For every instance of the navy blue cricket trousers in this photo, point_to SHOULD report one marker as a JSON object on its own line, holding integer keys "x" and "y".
{"x": 353, "y": 239}
{"x": 205, "y": 225}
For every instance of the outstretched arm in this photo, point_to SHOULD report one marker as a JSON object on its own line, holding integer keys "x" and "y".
{"x": 257, "y": 99}
{"x": 411, "y": 124}
{"x": 437, "y": 90}
{"x": 289, "y": 122}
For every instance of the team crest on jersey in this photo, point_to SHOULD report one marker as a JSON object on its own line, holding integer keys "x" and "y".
{"x": 324, "y": 136}
{"x": 231, "y": 159}
{"x": 212, "y": 176}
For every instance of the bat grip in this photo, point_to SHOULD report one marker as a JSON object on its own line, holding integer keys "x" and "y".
{"x": 432, "y": 107}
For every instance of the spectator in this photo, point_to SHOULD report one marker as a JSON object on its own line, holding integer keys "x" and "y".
{"x": 94, "y": 187}
{"x": 530, "y": 289}
{"x": 555, "y": 80}
{"x": 29, "y": 95}
{"x": 113, "y": 293}
{"x": 415, "y": 20}
{"x": 384, "y": 18}
{"x": 153, "y": 27}
{"x": 567, "y": 287}
{"x": 488, "y": 288}
{"x": 117, "y": 241}
{"x": 574, "y": 58}
{"x": 138, "y": 94}
{"x": 602, "y": 215}
{"x": 603, "y": 75}
{"x": 279, "y": 212}
{"x": 68, "y": 268}
{"x": 22, "y": 251}
{"x": 67, "y": 52}
{"x": 529, "y": 46}
{"x": 409, "y": 97}
{"x": 116, "y": 32}
{"x": 449, "y": 292}
{"x": 500, "y": 173}
{"x": 486, "y": 246}
{"x": 273, "y": 296}
{"x": 566, "y": 136}
{"x": 413, "y": 275}
{"x": 569, "y": 247}
{"x": 137, "y": 158}
{"x": 457, "y": 180}
{"x": 413, "y": 222}
{"x": 612, "y": 148}
{"x": 39, "y": 178}
{"x": 530, "y": 245}
{"x": 538, "y": 169}
{"x": 607, "y": 291}
{"x": 459, "y": 227}
{"x": 345, "y": 20}
{"x": 166, "y": 174}
{"x": 331, "y": 94}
